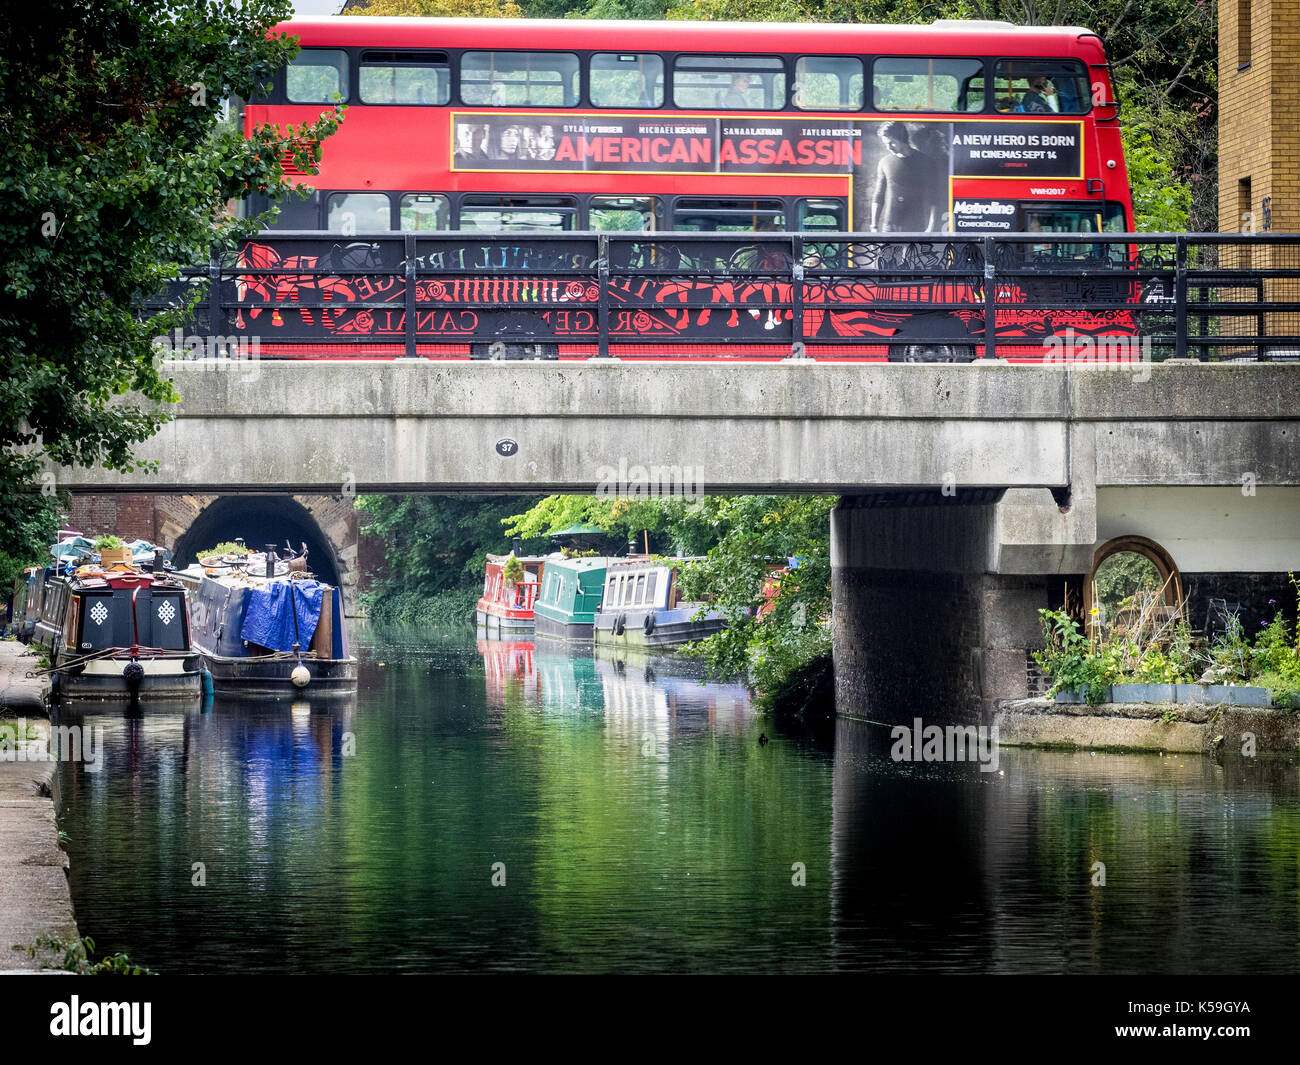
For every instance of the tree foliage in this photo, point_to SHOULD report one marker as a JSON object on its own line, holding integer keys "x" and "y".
{"x": 436, "y": 544}
{"x": 117, "y": 171}
{"x": 440, "y": 8}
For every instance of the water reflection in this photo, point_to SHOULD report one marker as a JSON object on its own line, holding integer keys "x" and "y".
{"x": 639, "y": 826}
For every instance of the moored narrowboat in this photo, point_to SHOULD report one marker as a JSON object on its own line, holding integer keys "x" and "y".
{"x": 642, "y": 608}
{"x": 117, "y": 633}
{"x": 505, "y": 609}
{"x": 277, "y": 636}
{"x": 565, "y": 608}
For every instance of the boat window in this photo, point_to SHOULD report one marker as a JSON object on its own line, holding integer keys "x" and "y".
{"x": 317, "y": 76}
{"x": 924, "y": 83}
{"x": 519, "y": 79}
{"x": 106, "y": 622}
{"x": 166, "y": 620}
{"x": 405, "y": 78}
{"x": 731, "y": 83}
{"x": 650, "y": 587}
{"x": 640, "y": 589}
{"x": 621, "y": 79}
{"x": 828, "y": 83}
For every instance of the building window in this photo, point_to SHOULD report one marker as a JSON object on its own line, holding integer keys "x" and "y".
{"x": 1245, "y": 216}
{"x": 1243, "y": 34}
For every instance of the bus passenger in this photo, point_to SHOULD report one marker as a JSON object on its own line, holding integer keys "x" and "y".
{"x": 1041, "y": 97}
{"x": 735, "y": 96}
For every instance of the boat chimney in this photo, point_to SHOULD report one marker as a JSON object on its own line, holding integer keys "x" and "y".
{"x": 159, "y": 562}
{"x": 517, "y": 546}
{"x": 270, "y": 561}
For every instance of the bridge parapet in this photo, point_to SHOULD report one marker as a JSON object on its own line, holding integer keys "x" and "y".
{"x": 908, "y": 297}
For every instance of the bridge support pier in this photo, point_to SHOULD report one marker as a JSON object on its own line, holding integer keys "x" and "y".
{"x": 924, "y": 623}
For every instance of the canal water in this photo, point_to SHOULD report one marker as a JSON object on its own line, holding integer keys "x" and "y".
{"x": 500, "y": 807}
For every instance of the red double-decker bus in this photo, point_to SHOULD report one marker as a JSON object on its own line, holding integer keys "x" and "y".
{"x": 548, "y": 127}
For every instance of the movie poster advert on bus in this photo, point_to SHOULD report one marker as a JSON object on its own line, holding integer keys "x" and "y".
{"x": 900, "y": 169}
{"x": 1020, "y": 149}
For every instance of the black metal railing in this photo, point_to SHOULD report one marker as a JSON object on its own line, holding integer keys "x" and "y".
{"x": 927, "y": 297}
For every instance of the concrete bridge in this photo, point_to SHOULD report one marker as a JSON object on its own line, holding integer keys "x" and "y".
{"x": 973, "y": 493}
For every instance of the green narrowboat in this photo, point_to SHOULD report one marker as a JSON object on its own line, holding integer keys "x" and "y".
{"x": 565, "y": 608}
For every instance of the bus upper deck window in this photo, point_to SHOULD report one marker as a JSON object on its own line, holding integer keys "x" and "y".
{"x": 729, "y": 83}
{"x": 627, "y": 79}
{"x": 317, "y": 76}
{"x": 404, "y": 78}
{"x": 828, "y": 83}
{"x": 924, "y": 83}
{"x": 1042, "y": 86}
{"x": 519, "y": 79}
{"x": 358, "y": 212}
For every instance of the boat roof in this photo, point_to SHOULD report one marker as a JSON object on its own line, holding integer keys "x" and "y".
{"x": 91, "y": 578}
{"x": 238, "y": 577}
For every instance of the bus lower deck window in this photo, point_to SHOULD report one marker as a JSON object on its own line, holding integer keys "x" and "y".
{"x": 422, "y": 211}
{"x": 518, "y": 214}
{"x": 627, "y": 214}
{"x": 358, "y": 212}
{"x": 728, "y": 216}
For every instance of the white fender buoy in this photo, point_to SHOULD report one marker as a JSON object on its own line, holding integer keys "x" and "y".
{"x": 300, "y": 676}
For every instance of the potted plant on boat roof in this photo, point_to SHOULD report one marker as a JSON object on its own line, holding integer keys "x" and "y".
{"x": 112, "y": 551}
{"x": 513, "y": 570}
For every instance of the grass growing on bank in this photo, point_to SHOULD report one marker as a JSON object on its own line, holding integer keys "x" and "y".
{"x": 1151, "y": 647}
{"x": 76, "y": 956}
{"x": 455, "y": 607}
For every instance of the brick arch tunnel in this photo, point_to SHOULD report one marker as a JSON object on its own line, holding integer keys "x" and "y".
{"x": 260, "y": 520}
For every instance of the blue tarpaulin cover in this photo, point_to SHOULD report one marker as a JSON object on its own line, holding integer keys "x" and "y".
{"x": 269, "y": 619}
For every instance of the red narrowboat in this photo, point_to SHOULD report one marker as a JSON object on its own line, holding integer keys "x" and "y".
{"x": 506, "y": 606}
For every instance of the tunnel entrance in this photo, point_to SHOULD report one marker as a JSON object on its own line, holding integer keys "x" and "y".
{"x": 260, "y": 520}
